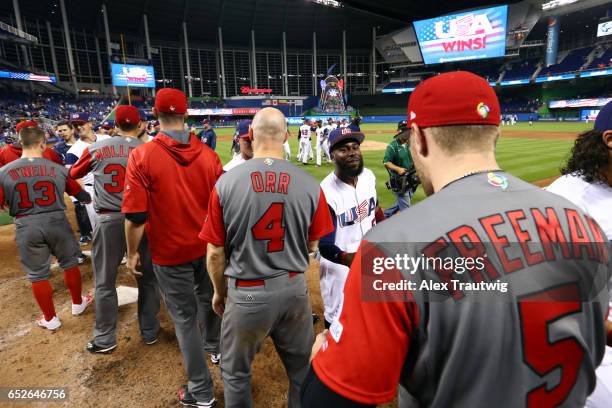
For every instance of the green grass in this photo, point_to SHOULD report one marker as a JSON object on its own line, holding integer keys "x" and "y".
{"x": 530, "y": 159}
{"x": 5, "y": 218}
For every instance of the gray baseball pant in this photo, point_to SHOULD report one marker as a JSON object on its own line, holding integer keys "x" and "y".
{"x": 40, "y": 235}
{"x": 281, "y": 309}
{"x": 187, "y": 288}
{"x": 108, "y": 249}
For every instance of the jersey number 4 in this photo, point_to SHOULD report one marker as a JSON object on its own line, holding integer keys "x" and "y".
{"x": 117, "y": 173}
{"x": 538, "y": 311}
{"x": 270, "y": 228}
{"x": 47, "y": 190}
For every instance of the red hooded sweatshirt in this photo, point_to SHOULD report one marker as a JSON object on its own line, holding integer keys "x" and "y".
{"x": 13, "y": 152}
{"x": 172, "y": 183}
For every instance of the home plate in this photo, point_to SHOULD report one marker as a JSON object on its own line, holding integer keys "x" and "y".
{"x": 127, "y": 295}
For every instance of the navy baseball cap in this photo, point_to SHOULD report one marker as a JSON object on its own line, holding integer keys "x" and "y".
{"x": 604, "y": 118}
{"x": 242, "y": 130}
{"x": 142, "y": 115}
{"x": 82, "y": 117}
{"x": 339, "y": 135}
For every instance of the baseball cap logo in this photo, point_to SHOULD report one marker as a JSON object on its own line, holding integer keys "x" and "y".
{"x": 346, "y": 130}
{"x": 172, "y": 108}
{"x": 483, "y": 110}
{"x": 412, "y": 115}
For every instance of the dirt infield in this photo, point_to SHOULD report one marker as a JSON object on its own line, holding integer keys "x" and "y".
{"x": 371, "y": 145}
{"x": 135, "y": 375}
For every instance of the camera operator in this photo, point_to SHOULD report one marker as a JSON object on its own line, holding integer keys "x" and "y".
{"x": 398, "y": 162}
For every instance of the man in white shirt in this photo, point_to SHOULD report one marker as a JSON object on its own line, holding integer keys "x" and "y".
{"x": 350, "y": 191}
{"x": 587, "y": 182}
{"x": 322, "y": 142}
{"x": 244, "y": 141}
{"x": 84, "y": 127}
{"x": 305, "y": 146}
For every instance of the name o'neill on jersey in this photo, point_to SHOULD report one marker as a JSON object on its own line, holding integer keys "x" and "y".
{"x": 358, "y": 213}
{"x": 31, "y": 171}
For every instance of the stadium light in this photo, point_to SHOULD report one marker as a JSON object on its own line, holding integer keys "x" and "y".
{"x": 329, "y": 3}
{"x": 556, "y": 3}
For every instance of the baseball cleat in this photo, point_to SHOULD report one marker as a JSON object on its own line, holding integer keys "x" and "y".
{"x": 94, "y": 348}
{"x": 52, "y": 324}
{"x": 79, "y": 309}
{"x": 215, "y": 358}
{"x": 82, "y": 258}
{"x": 85, "y": 239}
{"x": 150, "y": 342}
{"x": 185, "y": 398}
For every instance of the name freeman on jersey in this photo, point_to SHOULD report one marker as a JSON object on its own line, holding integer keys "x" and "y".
{"x": 475, "y": 252}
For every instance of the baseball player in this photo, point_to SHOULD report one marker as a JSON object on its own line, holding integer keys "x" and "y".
{"x": 343, "y": 123}
{"x": 286, "y": 146}
{"x": 322, "y": 142}
{"x": 305, "y": 146}
{"x": 350, "y": 191}
{"x": 107, "y": 161}
{"x": 535, "y": 345}
{"x": 207, "y": 135}
{"x": 244, "y": 141}
{"x": 84, "y": 127}
{"x": 66, "y": 131}
{"x": 167, "y": 188}
{"x": 13, "y": 151}
{"x": 587, "y": 182}
{"x": 263, "y": 217}
{"x": 33, "y": 188}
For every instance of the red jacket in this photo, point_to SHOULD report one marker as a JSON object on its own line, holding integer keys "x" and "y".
{"x": 13, "y": 152}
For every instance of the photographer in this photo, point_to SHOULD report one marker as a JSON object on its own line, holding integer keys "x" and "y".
{"x": 398, "y": 162}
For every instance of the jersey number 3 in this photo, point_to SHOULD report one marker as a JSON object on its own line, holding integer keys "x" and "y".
{"x": 46, "y": 188}
{"x": 270, "y": 228}
{"x": 117, "y": 173}
{"x": 538, "y": 311}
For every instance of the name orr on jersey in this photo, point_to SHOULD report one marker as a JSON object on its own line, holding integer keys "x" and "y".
{"x": 270, "y": 182}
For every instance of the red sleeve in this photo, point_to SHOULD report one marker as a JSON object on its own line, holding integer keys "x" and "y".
{"x": 379, "y": 215}
{"x": 82, "y": 166}
{"x": 50, "y": 154}
{"x": 213, "y": 230}
{"x": 344, "y": 363}
{"x": 135, "y": 194}
{"x": 72, "y": 187}
{"x": 2, "y": 198}
{"x": 322, "y": 223}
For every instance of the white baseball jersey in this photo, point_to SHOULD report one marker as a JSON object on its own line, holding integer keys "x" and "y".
{"x": 236, "y": 161}
{"x": 593, "y": 198}
{"x": 304, "y": 132}
{"x": 320, "y": 134}
{"x": 354, "y": 212}
{"x": 76, "y": 151}
{"x": 596, "y": 200}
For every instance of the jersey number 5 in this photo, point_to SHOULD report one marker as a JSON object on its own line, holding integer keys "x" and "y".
{"x": 46, "y": 188}
{"x": 538, "y": 311}
{"x": 270, "y": 228}
{"x": 117, "y": 173}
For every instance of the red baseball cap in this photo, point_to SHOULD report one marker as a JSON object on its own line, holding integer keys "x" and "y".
{"x": 26, "y": 123}
{"x": 453, "y": 98}
{"x": 170, "y": 100}
{"x": 126, "y": 115}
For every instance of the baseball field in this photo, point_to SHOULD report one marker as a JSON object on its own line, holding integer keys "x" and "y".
{"x": 136, "y": 375}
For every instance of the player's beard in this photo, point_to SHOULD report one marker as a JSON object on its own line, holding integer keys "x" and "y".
{"x": 349, "y": 171}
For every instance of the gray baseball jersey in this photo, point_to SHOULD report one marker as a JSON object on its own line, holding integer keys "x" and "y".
{"x": 461, "y": 340}
{"x": 34, "y": 190}
{"x": 107, "y": 161}
{"x": 265, "y": 211}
